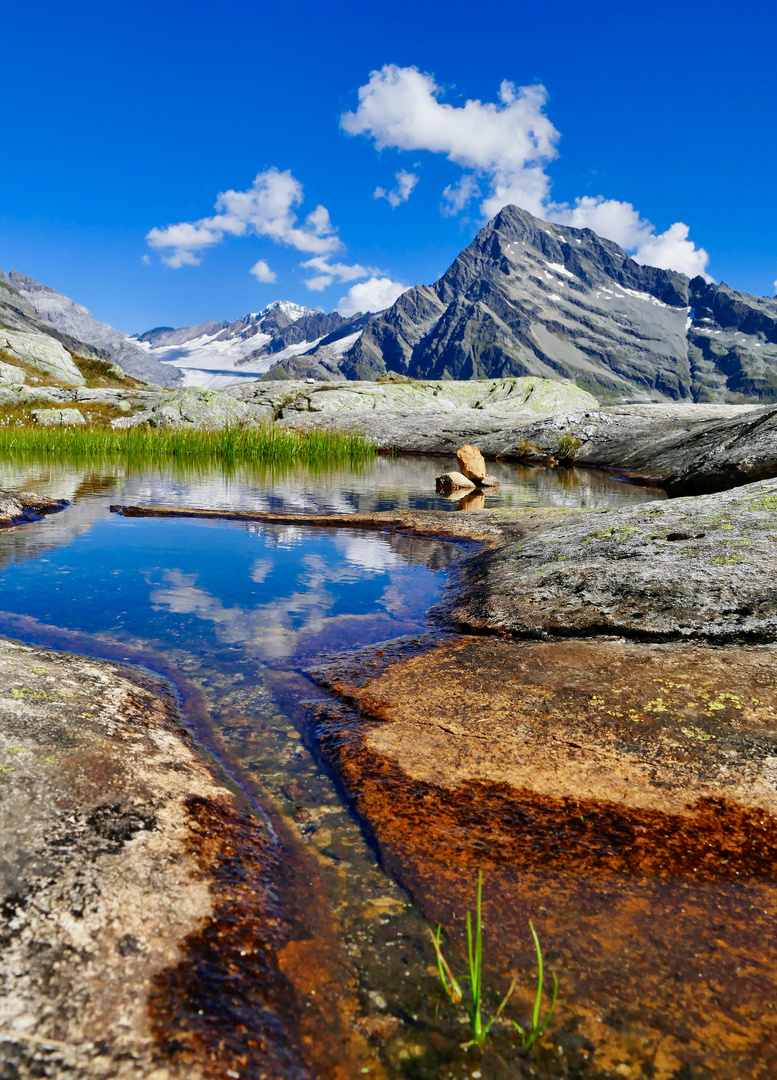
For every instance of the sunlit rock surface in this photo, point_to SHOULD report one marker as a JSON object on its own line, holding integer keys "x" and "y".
{"x": 42, "y": 352}
{"x": 143, "y": 928}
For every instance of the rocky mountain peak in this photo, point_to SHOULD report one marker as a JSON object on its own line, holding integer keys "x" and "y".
{"x": 529, "y": 297}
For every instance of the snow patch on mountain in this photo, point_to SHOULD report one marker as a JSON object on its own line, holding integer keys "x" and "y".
{"x": 214, "y": 354}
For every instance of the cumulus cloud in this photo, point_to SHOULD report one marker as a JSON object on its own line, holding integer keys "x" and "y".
{"x": 329, "y": 272}
{"x": 373, "y": 295}
{"x": 619, "y": 221}
{"x": 267, "y": 208}
{"x": 262, "y": 272}
{"x": 457, "y": 196}
{"x": 504, "y": 148}
{"x": 509, "y": 142}
{"x": 406, "y": 181}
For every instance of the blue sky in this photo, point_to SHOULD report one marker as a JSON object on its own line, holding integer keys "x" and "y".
{"x": 121, "y": 121}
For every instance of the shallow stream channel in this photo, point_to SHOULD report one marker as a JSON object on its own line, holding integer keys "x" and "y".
{"x": 235, "y": 614}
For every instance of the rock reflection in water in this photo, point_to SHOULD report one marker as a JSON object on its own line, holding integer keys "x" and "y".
{"x": 384, "y": 484}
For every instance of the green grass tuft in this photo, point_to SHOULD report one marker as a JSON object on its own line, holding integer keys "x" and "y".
{"x": 267, "y": 445}
{"x": 473, "y": 1001}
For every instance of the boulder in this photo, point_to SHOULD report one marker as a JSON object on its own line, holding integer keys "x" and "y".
{"x": 11, "y": 374}
{"x": 196, "y": 408}
{"x": 42, "y": 352}
{"x": 699, "y": 568}
{"x": 471, "y": 463}
{"x": 58, "y": 417}
{"x": 488, "y": 481}
{"x": 452, "y": 480}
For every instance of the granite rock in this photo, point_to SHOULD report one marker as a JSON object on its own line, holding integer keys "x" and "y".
{"x": 471, "y": 463}
{"x": 451, "y": 481}
{"x": 58, "y": 417}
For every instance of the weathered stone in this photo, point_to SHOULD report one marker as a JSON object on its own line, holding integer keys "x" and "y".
{"x": 195, "y": 408}
{"x": 143, "y": 933}
{"x": 10, "y": 374}
{"x": 488, "y": 481}
{"x": 471, "y": 463}
{"x": 694, "y": 568}
{"x": 58, "y": 417}
{"x": 16, "y": 507}
{"x": 452, "y": 480}
{"x": 42, "y": 352}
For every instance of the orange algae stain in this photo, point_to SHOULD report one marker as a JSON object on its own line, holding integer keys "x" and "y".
{"x": 237, "y": 1002}
{"x": 646, "y": 857}
{"x": 331, "y": 1007}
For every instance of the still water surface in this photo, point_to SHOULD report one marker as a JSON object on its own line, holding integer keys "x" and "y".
{"x": 236, "y": 612}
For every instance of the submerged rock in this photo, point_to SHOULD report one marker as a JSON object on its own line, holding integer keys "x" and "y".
{"x": 142, "y": 927}
{"x": 620, "y": 795}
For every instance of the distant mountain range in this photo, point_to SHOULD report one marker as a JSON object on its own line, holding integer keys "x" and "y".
{"x": 525, "y": 298}
{"x": 216, "y": 353}
{"x": 26, "y": 305}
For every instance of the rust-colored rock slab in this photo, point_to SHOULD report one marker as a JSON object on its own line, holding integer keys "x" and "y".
{"x": 620, "y": 795}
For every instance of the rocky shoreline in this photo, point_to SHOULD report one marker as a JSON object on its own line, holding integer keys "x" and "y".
{"x": 596, "y": 727}
{"x": 148, "y": 917}
{"x": 18, "y": 507}
{"x": 684, "y": 447}
{"x": 593, "y": 725}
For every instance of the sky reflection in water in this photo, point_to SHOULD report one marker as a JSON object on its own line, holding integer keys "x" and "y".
{"x": 279, "y": 593}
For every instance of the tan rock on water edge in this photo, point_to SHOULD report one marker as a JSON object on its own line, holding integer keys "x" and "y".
{"x": 473, "y": 473}
{"x": 471, "y": 463}
{"x": 453, "y": 481}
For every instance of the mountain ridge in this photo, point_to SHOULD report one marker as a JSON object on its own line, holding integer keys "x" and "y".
{"x": 54, "y": 310}
{"x": 524, "y": 298}
{"x": 527, "y": 297}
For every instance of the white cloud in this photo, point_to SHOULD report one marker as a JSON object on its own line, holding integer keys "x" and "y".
{"x": 146, "y": 260}
{"x": 262, "y": 272}
{"x": 406, "y": 181}
{"x": 506, "y": 146}
{"x": 775, "y": 289}
{"x": 329, "y": 272}
{"x": 456, "y": 196}
{"x": 510, "y": 142}
{"x": 373, "y": 295}
{"x": 267, "y": 208}
{"x": 619, "y": 221}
